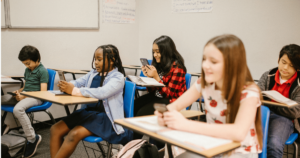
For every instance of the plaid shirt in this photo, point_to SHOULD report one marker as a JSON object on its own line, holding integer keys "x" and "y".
{"x": 174, "y": 83}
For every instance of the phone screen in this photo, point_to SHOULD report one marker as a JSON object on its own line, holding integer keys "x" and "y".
{"x": 61, "y": 75}
{"x": 11, "y": 93}
{"x": 144, "y": 61}
{"x": 160, "y": 107}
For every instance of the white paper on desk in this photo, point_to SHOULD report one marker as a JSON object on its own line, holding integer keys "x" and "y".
{"x": 279, "y": 97}
{"x": 196, "y": 141}
{"x": 149, "y": 123}
{"x": 151, "y": 81}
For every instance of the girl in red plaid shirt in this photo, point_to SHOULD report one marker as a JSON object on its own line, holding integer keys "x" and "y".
{"x": 167, "y": 68}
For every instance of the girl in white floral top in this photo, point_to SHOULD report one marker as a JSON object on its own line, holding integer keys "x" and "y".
{"x": 232, "y": 100}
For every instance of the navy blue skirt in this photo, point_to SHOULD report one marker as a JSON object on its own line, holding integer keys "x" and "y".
{"x": 99, "y": 124}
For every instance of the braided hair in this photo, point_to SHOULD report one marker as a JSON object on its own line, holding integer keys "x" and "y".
{"x": 110, "y": 53}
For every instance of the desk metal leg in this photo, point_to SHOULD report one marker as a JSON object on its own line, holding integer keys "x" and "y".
{"x": 67, "y": 110}
{"x": 169, "y": 151}
{"x": 135, "y": 72}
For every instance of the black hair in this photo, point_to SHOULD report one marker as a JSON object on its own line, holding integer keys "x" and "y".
{"x": 111, "y": 53}
{"x": 293, "y": 53}
{"x": 169, "y": 55}
{"x": 29, "y": 52}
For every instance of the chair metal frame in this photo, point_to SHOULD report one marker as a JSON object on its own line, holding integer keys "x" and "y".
{"x": 129, "y": 93}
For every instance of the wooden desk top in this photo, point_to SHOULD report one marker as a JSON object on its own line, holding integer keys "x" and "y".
{"x": 191, "y": 113}
{"x": 9, "y": 80}
{"x": 62, "y": 100}
{"x": 206, "y": 153}
{"x": 132, "y": 66}
{"x": 275, "y": 103}
{"x": 71, "y": 71}
{"x": 195, "y": 73}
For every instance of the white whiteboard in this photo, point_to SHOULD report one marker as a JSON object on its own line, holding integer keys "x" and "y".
{"x": 2, "y": 15}
{"x": 77, "y": 14}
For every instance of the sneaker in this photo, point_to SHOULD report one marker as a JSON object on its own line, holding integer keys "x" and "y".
{"x": 5, "y": 129}
{"x": 31, "y": 147}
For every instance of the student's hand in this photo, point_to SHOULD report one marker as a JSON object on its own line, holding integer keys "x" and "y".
{"x": 19, "y": 97}
{"x": 144, "y": 69}
{"x": 66, "y": 87}
{"x": 175, "y": 120}
{"x": 160, "y": 118}
{"x": 152, "y": 72}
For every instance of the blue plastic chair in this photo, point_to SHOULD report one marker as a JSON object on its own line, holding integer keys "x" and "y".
{"x": 128, "y": 109}
{"x": 188, "y": 78}
{"x": 44, "y": 107}
{"x": 292, "y": 140}
{"x": 265, "y": 117}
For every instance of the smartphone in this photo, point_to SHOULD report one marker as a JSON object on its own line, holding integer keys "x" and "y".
{"x": 11, "y": 93}
{"x": 61, "y": 76}
{"x": 160, "y": 107}
{"x": 144, "y": 61}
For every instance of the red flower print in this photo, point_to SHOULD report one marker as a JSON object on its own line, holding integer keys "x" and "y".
{"x": 205, "y": 111}
{"x": 243, "y": 95}
{"x": 223, "y": 112}
{"x": 199, "y": 80}
{"x": 248, "y": 148}
{"x": 252, "y": 131}
{"x": 212, "y": 103}
{"x": 217, "y": 121}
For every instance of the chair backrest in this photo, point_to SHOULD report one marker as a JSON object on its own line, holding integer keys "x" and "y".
{"x": 51, "y": 79}
{"x": 129, "y": 98}
{"x": 188, "y": 78}
{"x": 265, "y": 117}
{"x": 142, "y": 74}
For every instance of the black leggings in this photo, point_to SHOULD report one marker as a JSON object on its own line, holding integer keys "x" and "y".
{"x": 144, "y": 106}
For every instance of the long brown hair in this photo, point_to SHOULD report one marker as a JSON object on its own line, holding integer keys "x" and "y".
{"x": 237, "y": 75}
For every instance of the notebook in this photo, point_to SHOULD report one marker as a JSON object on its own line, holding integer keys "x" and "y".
{"x": 195, "y": 141}
{"x": 276, "y": 96}
{"x": 145, "y": 81}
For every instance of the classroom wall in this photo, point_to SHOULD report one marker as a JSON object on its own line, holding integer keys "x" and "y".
{"x": 69, "y": 49}
{"x": 264, "y": 27}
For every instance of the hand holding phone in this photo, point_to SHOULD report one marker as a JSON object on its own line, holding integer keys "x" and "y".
{"x": 144, "y": 61}
{"x": 61, "y": 76}
{"x": 160, "y": 107}
{"x": 11, "y": 93}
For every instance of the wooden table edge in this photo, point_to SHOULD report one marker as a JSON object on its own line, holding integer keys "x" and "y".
{"x": 206, "y": 153}
{"x": 60, "y": 103}
{"x": 274, "y": 103}
{"x": 73, "y": 71}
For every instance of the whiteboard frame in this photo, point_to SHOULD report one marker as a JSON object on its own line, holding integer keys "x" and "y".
{"x": 5, "y": 15}
{"x": 8, "y": 23}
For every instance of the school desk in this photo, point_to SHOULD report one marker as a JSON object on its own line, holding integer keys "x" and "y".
{"x": 10, "y": 80}
{"x": 195, "y": 74}
{"x": 73, "y": 72}
{"x": 267, "y": 102}
{"x": 132, "y": 67}
{"x": 207, "y": 153}
{"x": 60, "y": 100}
